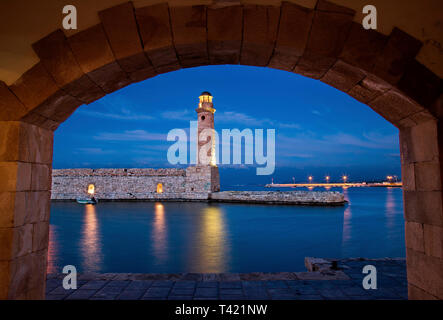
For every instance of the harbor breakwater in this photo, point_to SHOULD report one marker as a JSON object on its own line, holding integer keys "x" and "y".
{"x": 191, "y": 184}
{"x": 280, "y": 197}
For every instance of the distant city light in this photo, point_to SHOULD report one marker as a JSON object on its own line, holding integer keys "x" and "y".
{"x": 327, "y": 178}
{"x": 345, "y": 178}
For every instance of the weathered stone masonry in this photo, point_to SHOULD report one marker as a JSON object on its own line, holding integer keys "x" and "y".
{"x": 192, "y": 183}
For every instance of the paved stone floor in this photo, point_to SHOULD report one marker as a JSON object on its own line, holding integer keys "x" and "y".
{"x": 391, "y": 284}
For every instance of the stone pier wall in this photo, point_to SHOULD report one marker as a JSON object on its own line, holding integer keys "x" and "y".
{"x": 278, "y": 197}
{"x": 118, "y": 184}
{"x": 192, "y": 183}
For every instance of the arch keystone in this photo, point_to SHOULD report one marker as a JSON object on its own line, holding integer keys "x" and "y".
{"x": 293, "y": 32}
{"x": 225, "y": 34}
{"x": 260, "y": 26}
{"x": 121, "y": 30}
{"x": 326, "y": 40}
{"x": 155, "y": 31}
{"x": 189, "y": 35}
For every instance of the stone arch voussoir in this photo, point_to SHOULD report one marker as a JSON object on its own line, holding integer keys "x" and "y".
{"x": 132, "y": 44}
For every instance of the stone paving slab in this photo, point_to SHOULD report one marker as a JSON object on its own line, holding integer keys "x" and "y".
{"x": 332, "y": 280}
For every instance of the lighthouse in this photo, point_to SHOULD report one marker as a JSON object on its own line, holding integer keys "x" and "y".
{"x": 206, "y": 132}
{"x": 204, "y": 177}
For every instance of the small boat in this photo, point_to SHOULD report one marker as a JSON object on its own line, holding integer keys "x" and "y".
{"x": 87, "y": 201}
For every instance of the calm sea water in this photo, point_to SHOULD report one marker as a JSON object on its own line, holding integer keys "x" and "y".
{"x": 200, "y": 237}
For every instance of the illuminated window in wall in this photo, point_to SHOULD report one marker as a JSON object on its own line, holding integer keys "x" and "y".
{"x": 91, "y": 189}
{"x": 159, "y": 188}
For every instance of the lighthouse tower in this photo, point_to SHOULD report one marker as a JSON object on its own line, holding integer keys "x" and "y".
{"x": 204, "y": 176}
{"x": 205, "y": 135}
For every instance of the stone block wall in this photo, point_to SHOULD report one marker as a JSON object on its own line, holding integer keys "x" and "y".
{"x": 202, "y": 179}
{"x": 118, "y": 184}
{"x": 25, "y": 180}
{"x": 421, "y": 159}
{"x": 194, "y": 183}
{"x": 324, "y": 198}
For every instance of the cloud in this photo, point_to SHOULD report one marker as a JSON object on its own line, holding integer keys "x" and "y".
{"x": 248, "y": 120}
{"x": 130, "y": 135}
{"x": 371, "y": 140}
{"x": 378, "y": 138}
{"x": 128, "y": 116}
{"x": 308, "y": 142}
{"x": 177, "y": 115}
{"x": 297, "y": 155}
{"x": 238, "y": 117}
{"x": 290, "y": 125}
{"x": 116, "y": 107}
{"x": 395, "y": 155}
{"x": 122, "y": 109}
{"x": 94, "y": 151}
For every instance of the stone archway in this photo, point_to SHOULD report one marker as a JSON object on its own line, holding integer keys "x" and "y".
{"x": 131, "y": 45}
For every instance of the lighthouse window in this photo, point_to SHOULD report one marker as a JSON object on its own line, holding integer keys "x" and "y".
{"x": 203, "y": 118}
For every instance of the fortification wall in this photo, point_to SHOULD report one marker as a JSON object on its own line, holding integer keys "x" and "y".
{"x": 119, "y": 184}
{"x": 194, "y": 183}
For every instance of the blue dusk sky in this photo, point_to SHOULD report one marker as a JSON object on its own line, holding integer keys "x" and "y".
{"x": 319, "y": 130}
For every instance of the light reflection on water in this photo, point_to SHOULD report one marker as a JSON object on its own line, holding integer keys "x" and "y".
{"x": 390, "y": 208}
{"x": 213, "y": 253}
{"x": 53, "y": 250}
{"x": 202, "y": 237}
{"x": 347, "y": 215}
{"x": 160, "y": 246}
{"x": 91, "y": 242}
